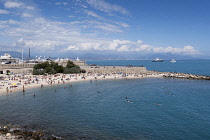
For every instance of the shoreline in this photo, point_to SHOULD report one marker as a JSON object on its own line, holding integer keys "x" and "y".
{"x": 19, "y": 83}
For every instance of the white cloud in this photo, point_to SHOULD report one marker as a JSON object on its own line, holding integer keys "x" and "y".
{"x": 13, "y": 22}
{"x": 123, "y": 48}
{"x": 11, "y": 4}
{"x": 46, "y": 35}
{"x": 29, "y": 7}
{"x": 122, "y": 24}
{"x": 71, "y": 16}
{"x": 15, "y": 4}
{"x": 107, "y": 7}
{"x": 91, "y": 13}
{"x": 70, "y": 48}
{"x": 61, "y": 3}
{"x": 2, "y": 11}
{"x": 139, "y": 41}
{"x": 101, "y": 26}
{"x": 126, "y": 46}
{"x": 2, "y": 26}
{"x": 9, "y": 22}
{"x": 108, "y": 27}
{"x": 57, "y": 3}
{"x": 26, "y": 15}
{"x": 185, "y": 50}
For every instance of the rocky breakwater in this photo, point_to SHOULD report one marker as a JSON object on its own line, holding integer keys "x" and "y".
{"x": 8, "y": 132}
{"x": 185, "y": 76}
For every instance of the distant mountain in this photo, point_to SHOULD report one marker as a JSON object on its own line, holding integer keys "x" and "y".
{"x": 100, "y": 55}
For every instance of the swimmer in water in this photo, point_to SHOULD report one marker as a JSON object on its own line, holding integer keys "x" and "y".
{"x": 129, "y": 101}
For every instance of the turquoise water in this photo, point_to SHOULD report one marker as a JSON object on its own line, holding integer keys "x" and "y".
{"x": 200, "y": 67}
{"x": 158, "y": 109}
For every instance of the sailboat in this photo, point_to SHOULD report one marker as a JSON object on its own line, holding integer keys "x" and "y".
{"x": 173, "y": 61}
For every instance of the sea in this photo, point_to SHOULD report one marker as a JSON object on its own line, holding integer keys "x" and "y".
{"x": 119, "y": 109}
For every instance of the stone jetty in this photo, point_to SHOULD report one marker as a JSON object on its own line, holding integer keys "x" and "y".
{"x": 185, "y": 76}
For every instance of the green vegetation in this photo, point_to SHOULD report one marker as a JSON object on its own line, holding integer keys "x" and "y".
{"x": 53, "y": 68}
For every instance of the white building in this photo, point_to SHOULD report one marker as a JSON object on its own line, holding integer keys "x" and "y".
{"x": 7, "y": 59}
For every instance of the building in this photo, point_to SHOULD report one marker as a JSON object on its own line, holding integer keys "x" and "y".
{"x": 7, "y": 59}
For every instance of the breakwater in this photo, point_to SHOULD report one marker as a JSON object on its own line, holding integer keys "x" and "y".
{"x": 185, "y": 76}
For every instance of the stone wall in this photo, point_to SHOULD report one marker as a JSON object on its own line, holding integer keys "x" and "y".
{"x": 114, "y": 69}
{"x": 26, "y": 68}
{"x": 16, "y": 68}
{"x": 64, "y": 63}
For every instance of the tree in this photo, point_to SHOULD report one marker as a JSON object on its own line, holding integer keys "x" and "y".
{"x": 53, "y": 68}
{"x": 70, "y": 64}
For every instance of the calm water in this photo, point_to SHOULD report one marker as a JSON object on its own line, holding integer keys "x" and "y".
{"x": 184, "y": 66}
{"x": 159, "y": 109}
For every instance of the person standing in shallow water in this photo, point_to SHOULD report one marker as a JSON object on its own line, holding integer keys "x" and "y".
{"x": 23, "y": 89}
{"x": 7, "y": 89}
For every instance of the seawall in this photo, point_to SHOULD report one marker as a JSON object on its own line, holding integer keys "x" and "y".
{"x": 115, "y": 69}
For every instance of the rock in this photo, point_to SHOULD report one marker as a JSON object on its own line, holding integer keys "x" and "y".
{"x": 19, "y": 136}
{"x": 29, "y": 138}
{"x": 8, "y": 135}
{"x": 16, "y": 131}
{"x": 3, "y": 131}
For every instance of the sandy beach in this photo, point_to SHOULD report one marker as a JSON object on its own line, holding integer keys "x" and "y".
{"x": 14, "y": 83}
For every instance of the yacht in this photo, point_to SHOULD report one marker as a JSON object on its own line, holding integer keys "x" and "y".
{"x": 77, "y": 59}
{"x": 173, "y": 61}
{"x": 158, "y": 60}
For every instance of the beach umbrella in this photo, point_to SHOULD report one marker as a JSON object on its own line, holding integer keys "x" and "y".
{"x": 14, "y": 84}
{"x": 2, "y": 78}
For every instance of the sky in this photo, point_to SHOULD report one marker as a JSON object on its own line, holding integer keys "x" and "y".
{"x": 177, "y": 27}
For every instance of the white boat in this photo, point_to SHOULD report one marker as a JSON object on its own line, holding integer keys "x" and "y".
{"x": 173, "y": 61}
{"x": 77, "y": 59}
{"x": 158, "y": 60}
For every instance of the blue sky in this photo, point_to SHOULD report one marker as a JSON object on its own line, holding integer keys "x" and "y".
{"x": 179, "y": 27}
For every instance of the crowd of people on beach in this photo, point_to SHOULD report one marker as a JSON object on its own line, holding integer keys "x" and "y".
{"x": 12, "y": 83}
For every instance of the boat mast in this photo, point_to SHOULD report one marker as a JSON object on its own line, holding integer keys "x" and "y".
{"x": 29, "y": 53}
